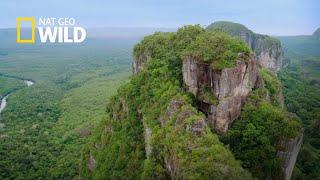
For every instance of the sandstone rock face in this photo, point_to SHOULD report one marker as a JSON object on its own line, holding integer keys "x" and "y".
{"x": 230, "y": 86}
{"x": 268, "y": 54}
{"x": 139, "y": 63}
{"x": 289, "y": 153}
{"x": 268, "y": 51}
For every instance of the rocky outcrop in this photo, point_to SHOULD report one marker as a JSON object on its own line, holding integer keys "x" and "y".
{"x": 288, "y": 153}
{"x": 91, "y": 165}
{"x": 221, "y": 94}
{"x": 268, "y": 51}
{"x": 139, "y": 62}
{"x": 147, "y": 139}
{"x": 174, "y": 110}
{"x": 230, "y": 88}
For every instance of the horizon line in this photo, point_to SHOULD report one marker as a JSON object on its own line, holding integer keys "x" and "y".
{"x": 160, "y": 27}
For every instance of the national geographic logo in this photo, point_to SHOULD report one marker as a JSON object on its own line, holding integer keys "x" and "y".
{"x": 33, "y": 30}
{"x": 52, "y": 30}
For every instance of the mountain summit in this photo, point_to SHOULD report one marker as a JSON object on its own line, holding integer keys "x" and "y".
{"x": 268, "y": 51}
{"x": 193, "y": 92}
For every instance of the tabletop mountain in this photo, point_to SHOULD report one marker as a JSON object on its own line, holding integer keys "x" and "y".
{"x": 193, "y": 92}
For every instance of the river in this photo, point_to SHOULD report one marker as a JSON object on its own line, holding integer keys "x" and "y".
{"x": 4, "y": 99}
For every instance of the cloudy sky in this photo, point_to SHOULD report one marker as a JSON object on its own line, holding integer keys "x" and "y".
{"x": 274, "y": 17}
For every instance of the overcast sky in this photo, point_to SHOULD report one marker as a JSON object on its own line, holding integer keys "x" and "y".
{"x": 274, "y": 17}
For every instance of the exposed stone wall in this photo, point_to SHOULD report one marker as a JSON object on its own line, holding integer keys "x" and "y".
{"x": 139, "y": 63}
{"x": 268, "y": 55}
{"x": 230, "y": 86}
{"x": 289, "y": 153}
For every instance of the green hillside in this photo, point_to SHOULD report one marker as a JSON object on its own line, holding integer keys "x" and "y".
{"x": 44, "y": 127}
{"x": 301, "y": 80}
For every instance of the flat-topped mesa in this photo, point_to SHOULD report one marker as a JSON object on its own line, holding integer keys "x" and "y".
{"x": 268, "y": 51}
{"x": 221, "y": 93}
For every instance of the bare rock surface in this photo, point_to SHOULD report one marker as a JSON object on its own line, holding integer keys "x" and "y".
{"x": 289, "y": 153}
{"x": 139, "y": 63}
{"x": 230, "y": 87}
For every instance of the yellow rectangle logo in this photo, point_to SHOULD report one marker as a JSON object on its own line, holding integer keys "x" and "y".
{"x": 33, "y": 30}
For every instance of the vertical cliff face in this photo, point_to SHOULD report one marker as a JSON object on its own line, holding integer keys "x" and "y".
{"x": 289, "y": 153}
{"x": 267, "y": 50}
{"x": 221, "y": 93}
{"x": 139, "y": 62}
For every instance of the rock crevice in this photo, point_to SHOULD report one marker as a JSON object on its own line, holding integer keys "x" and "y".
{"x": 229, "y": 86}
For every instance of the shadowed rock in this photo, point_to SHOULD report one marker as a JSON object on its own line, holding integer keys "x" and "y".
{"x": 230, "y": 86}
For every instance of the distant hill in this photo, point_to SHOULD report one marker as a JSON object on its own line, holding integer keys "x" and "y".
{"x": 111, "y": 34}
{"x": 231, "y": 27}
{"x": 305, "y": 52}
{"x": 303, "y": 45}
{"x": 316, "y": 34}
{"x": 267, "y": 50}
{"x": 124, "y": 32}
{"x": 8, "y": 36}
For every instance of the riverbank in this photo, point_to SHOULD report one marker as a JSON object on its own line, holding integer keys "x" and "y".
{"x": 3, "y": 102}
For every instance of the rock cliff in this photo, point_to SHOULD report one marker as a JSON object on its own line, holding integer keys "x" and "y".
{"x": 221, "y": 93}
{"x": 158, "y": 130}
{"x": 289, "y": 150}
{"x": 140, "y": 62}
{"x": 268, "y": 50}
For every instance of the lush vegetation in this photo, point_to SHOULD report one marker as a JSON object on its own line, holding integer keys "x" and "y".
{"x": 8, "y": 85}
{"x": 218, "y": 49}
{"x": 255, "y": 135}
{"x": 155, "y": 107}
{"x": 139, "y": 118}
{"x": 258, "y": 42}
{"x": 303, "y": 99}
{"x": 273, "y": 86}
{"x": 66, "y": 126}
{"x": 215, "y": 48}
{"x": 45, "y": 127}
{"x": 302, "y": 96}
{"x": 229, "y": 27}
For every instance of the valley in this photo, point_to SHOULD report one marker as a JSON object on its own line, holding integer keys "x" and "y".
{"x": 44, "y": 126}
{"x": 300, "y": 81}
{"x": 3, "y": 101}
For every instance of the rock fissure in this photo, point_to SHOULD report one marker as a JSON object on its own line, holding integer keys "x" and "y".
{"x": 231, "y": 86}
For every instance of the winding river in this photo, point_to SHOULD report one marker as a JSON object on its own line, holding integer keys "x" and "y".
{"x": 3, "y": 103}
